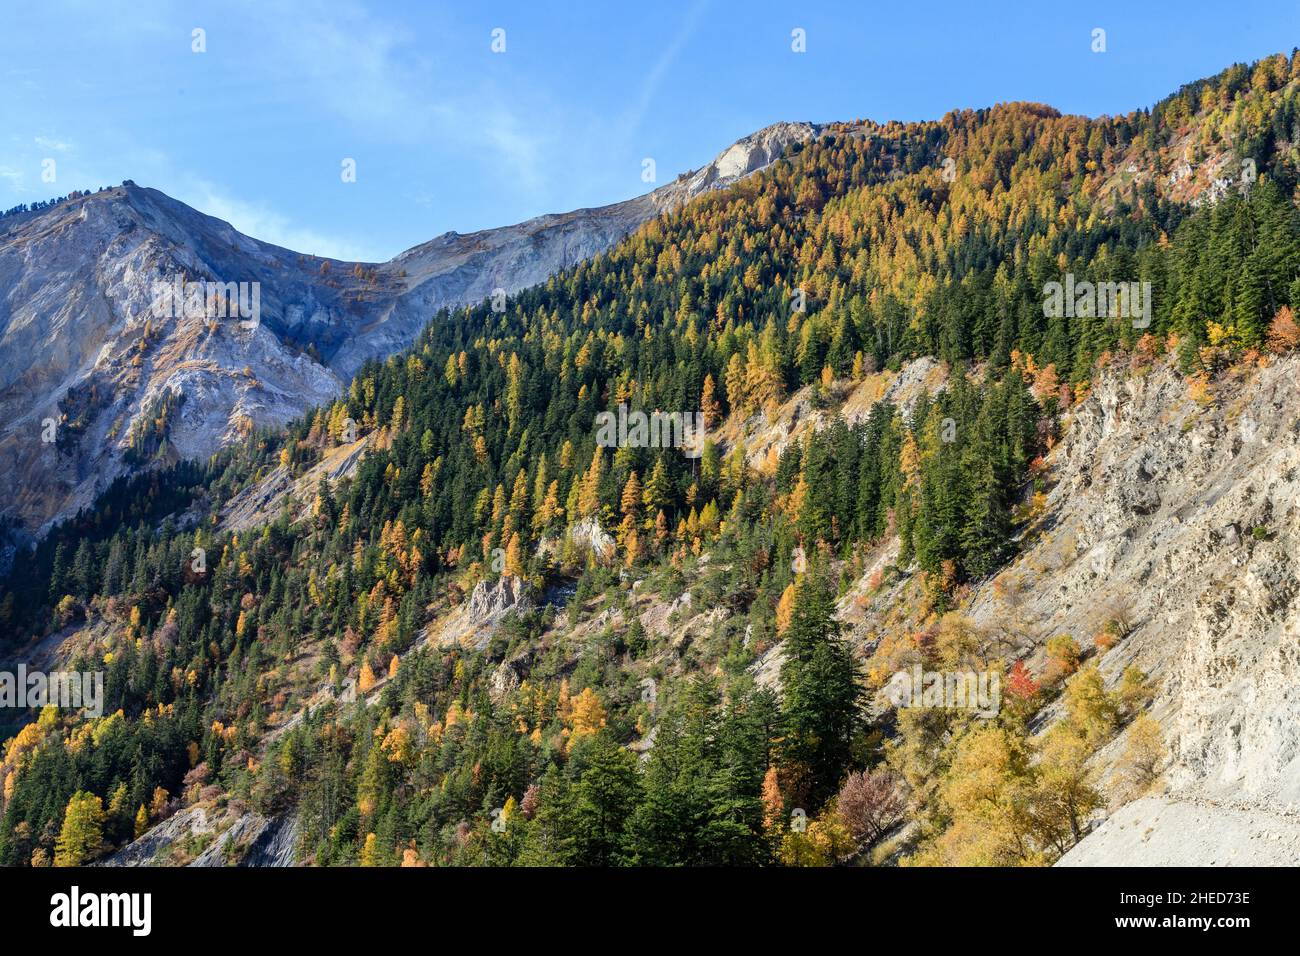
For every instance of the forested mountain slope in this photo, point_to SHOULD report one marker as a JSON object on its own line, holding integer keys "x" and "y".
{"x": 486, "y": 637}
{"x": 97, "y": 381}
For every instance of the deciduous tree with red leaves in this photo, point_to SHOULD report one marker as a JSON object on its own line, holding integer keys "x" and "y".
{"x": 1020, "y": 683}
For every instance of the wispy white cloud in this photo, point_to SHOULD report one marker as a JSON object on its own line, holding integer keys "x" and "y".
{"x": 351, "y": 61}
{"x": 53, "y": 145}
{"x": 517, "y": 150}
{"x": 262, "y": 222}
{"x": 378, "y": 77}
{"x": 650, "y": 84}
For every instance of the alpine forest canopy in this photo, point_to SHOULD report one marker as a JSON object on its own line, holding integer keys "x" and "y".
{"x": 297, "y": 666}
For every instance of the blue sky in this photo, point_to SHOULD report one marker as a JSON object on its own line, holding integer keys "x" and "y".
{"x": 447, "y": 134}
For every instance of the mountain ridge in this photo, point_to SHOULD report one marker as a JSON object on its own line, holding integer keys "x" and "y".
{"x": 440, "y": 604}
{"x": 74, "y": 345}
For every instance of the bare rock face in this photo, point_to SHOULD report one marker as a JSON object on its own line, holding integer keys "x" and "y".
{"x": 89, "y": 357}
{"x": 230, "y": 842}
{"x": 1188, "y": 516}
{"x": 491, "y": 599}
{"x": 276, "y": 844}
{"x": 95, "y": 382}
{"x": 259, "y": 503}
{"x": 248, "y": 839}
{"x": 590, "y": 537}
{"x": 504, "y": 680}
{"x": 743, "y": 157}
{"x": 155, "y": 845}
{"x": 1194, "y": 517}
{"x": 1166, "y": 831}
{"x": 473, "y": 623}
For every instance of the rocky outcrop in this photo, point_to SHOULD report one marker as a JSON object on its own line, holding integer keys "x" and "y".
{"x": 154, "y": 847}
{"x": 473, "y": 623}
{"x": 745, "y": 156}
{"x": 590, "y": 538}
{"x": 491, "y": 599}
{"x": 1186, "y": 517}
{"x": 247, "y": 839}
{"x": 504, "y": 681}
{"x": 261, "y": 502}
{"x": 276, "y": 844}
{"x": 230, "y": 843}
